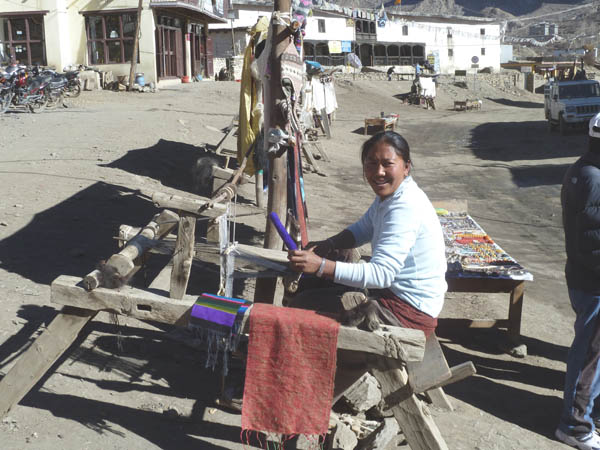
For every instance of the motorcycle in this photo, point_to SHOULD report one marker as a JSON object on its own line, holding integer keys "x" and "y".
{"x": 22, "y": 90}
{"x": 57, "y": 86}
{"x": 73, "y": 83}
{"x": 5, "y": 92}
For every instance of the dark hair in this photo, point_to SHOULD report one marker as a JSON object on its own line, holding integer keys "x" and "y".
{"x": 393, "y": 139}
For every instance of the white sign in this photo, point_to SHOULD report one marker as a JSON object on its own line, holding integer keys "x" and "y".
{"x": 525, "y": 69}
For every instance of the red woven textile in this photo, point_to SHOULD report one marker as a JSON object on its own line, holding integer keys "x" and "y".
{"x": 290, "y": 371}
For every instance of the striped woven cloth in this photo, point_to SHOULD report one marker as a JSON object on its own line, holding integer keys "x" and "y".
{"x": 216, "y": 321}
{"x": 216, "y": 311}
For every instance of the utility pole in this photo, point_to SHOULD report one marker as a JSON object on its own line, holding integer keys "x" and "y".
{"x": 136, "y": 43}
{"x": 277, "y": 200}
{"x": 232, "y": 37}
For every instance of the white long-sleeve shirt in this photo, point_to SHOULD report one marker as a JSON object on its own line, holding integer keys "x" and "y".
{"x": 408, "y": 251}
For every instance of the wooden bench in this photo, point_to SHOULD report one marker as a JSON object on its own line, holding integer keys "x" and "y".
{"x": 382, "y": 122}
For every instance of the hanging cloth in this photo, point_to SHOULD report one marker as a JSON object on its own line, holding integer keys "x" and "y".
{"x": 249, "y": 121}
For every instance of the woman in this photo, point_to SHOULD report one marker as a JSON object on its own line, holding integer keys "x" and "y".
{"x": 408, "y": 265}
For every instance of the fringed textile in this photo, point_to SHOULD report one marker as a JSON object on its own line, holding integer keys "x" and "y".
{"x": 290, "y": 371}
{"x": 216, "y": 320}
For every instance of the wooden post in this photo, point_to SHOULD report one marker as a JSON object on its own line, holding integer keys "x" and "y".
{"x": 258, "y": 179}
{"x": 514, "y": 313}
{"x": 277, "y": 200}
{"x": 136, "y": 43}
{"x": 184, "y": 253}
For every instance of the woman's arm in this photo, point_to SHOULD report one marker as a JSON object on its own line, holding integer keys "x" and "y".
{"x": 312, "y": 260}
{"x": 342, "y": 240}
{"x": 397, "y": 235}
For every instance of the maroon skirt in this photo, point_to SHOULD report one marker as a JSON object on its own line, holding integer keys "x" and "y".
{"x": 407, "y": 315}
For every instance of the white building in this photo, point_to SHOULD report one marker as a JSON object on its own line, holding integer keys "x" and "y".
{"x": 456, "y": 43}
{"x": 451, "y": 43}
{"x": 174, "y": 40}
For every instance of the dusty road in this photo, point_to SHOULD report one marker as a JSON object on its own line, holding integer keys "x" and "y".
{"x": 68, "y": 180}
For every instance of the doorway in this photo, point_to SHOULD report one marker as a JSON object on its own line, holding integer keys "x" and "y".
{"x": 169, "y": 52}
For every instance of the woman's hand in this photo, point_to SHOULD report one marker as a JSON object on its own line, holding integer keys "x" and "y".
{"x": 306, "y": 261}
{"x": 321, "y": 248}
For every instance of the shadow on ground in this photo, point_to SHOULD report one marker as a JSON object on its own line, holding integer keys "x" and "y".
{"x": 71, "y": 237}
{"x": 174, "y": 164}
{"x": 495, "y": 141}
{"x": 540, "y": 175}
{"x": 523, "y": 407}
{"x": 130, "y": 354}
{"x": 516, "y": 104}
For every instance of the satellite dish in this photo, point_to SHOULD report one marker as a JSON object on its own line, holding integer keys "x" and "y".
{"x": 475, "y": 59}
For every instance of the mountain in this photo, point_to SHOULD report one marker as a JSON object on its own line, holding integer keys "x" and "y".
{"x": 482, "y": 8}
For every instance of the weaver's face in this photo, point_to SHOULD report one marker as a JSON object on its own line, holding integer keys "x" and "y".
{"x": 384, "y": 169}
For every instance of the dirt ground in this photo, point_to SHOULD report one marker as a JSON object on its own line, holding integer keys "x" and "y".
{"x": 69, "y": 179}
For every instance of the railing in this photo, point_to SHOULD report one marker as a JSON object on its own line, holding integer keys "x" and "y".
{"x": 327, "y": 60}
{"x": 365, "y": 36}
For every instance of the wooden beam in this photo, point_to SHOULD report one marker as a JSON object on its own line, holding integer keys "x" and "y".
{"x": 439, "y": 399}
{"x": 414, "y": 419}
{"x": 193, "y": 204}
{"x": 123, "y": 265}
{"x": 436, "y": 394}
{"x": 183, "y": 255}
{"x": 127, "y": 301}
{"x": 432, "y": 370}
{"x": 459, "y": 372}
{"x": 44, "y": 352}
{"x": 392, "y": 342}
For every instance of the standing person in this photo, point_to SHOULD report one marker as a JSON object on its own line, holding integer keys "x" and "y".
{"x": 406, "y": 273}
{"x": 580, "y": 197}
{"x": 390, "y": 71}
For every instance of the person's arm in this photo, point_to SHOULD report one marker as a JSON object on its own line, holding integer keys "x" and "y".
{"x": 398, "y": 236}
{"x": 586, "y": 223}
{"x": 313, "y": 261}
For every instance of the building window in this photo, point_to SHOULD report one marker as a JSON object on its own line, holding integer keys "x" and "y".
{"x": 482, "y": 51}
{"x": 482, "y": 31}
{"x": 22, "y": 40}
{"x": 321, "y": 25}
{"x": 449, "y": 33}
{"x": 404, "y": 30}
{"x": 450, "y": 53}
{"x": 110, "y": 38}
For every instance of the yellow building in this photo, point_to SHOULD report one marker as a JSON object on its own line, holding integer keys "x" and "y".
{"x": 174, "y": 40}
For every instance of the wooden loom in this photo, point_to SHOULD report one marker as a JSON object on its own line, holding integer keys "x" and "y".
{"x": 403, "y": 362}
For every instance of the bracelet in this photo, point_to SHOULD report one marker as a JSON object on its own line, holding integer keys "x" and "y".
{"x": 321, "y": 268}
